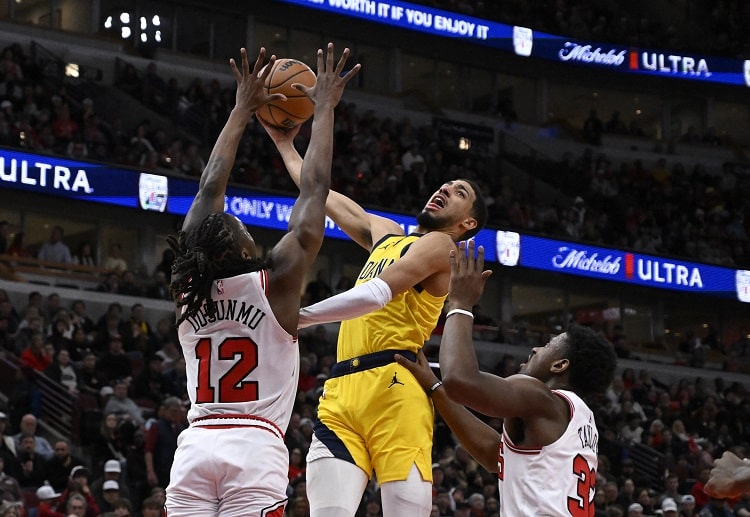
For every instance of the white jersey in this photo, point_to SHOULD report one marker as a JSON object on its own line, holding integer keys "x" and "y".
{"x": 240, "y": 361}
{"x": 556, "y": 480}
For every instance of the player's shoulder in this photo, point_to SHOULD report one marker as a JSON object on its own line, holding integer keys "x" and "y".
{"x": 436, "y": 241}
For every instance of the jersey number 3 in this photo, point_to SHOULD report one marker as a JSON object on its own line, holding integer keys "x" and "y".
{"x": 581, "y": 506}
{"x": 232, "y": 388}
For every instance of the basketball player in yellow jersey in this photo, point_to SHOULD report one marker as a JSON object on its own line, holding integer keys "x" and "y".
{"x": 373, "y": 414}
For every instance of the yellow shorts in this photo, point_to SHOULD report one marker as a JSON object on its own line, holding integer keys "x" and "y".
{"x": 383, "y": 418}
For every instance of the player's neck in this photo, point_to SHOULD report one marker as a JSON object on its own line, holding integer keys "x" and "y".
{"x": 424, "y": 231}
{"x": 557, "y": 383}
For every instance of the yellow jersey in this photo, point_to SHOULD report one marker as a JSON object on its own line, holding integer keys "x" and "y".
{"x": 406, "y": 322}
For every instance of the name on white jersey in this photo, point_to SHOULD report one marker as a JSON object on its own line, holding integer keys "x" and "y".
{"x": 233, "y": 310}
{"x": 589, "y": 437}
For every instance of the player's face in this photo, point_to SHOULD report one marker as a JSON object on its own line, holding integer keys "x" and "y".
{"x": 451, "y": 204}
{"x": 541, "y": 358}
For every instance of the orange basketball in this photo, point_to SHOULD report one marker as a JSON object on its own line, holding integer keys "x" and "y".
{"x": 297, "y": 107}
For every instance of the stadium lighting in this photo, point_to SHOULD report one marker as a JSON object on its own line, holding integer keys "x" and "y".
{"x": 71, "y": 70}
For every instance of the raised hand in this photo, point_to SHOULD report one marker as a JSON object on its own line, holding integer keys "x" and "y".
{"x": 468, "y": 276}
{"x": 251, "y": 94}
{"x": 280, "y": 135}
{"x": 330, "y": 82}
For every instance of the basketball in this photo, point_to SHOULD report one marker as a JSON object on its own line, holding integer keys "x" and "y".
{"x": 298, "y": 107}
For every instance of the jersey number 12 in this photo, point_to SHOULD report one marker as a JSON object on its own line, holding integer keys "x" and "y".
{"x": 232, "y": 388}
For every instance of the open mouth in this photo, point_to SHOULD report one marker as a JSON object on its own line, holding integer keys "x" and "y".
{"x": 436, "y": 203}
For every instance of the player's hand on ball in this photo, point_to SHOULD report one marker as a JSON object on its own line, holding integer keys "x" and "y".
{"x": 250, "y": 94}
{"x": 280, "y": 135}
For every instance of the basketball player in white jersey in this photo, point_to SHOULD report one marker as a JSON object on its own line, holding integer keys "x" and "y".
{"x": 546, "y": 457}
{"x": 237, "y": 316}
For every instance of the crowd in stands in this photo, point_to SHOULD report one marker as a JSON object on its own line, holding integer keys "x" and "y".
{"x": 128, "y": 379}
{"x": 657, "y": 439}
{"x": 674, "y": 208}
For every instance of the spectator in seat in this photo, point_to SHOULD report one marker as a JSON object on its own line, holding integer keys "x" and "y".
{"x": 60, "y": 465}
{"x": 115, "y": 364}
{"x": 169, "y": 353}
{"x": 115, "y": 263}
{"x": 177, "y": 379}
{"x": 112, "y": 473}
{"x": 128, "y": 284}
{"x": 29, "y": 426}
{"x": 150, "y": 383}
{"x": 109, "y": 447}
{"x": 11, "y": 509}
{"x": 109, "y": 325}
{"x": 54, "y": 249}
{"x": 110, "y": 284}
{"x": 80, "y": 318}
{"x": 34, "y": 355}
{"x": 84, "y": 255}
{"x": 123, "y": 405}
{"x": 77, "y": 506}
{"x": 90, "y": 379}
{"x": 109, "y": 496}
{"x": 78, "y": 486}
{"x": 10, "y": 489}
{"x": 152, "y": 507}
{"x": 137, "y": 333}
{"x": 33, "y": 472}
{"x": 17, "y": 247}
{"x": 159, "y": 287}
{"x": 48, "y": 500}
{"x": 161, "y": 441}
{"x": 61, "y": 370}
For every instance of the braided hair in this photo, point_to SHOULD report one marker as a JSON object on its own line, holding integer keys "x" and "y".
{"x": 207, "y": 251}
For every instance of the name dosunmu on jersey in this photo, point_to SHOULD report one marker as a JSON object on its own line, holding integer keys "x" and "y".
{"x": 234, "y": 310}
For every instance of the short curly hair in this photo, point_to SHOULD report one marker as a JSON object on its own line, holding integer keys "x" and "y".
{"x": 592, "y": 360}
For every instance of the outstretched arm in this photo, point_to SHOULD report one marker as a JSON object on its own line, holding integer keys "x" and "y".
{"x": 424, "y": 263}
{"x": 291, "y": 258}
{"x": 478, "y": 438}
{"x": 518, "y": 395}
{"x": 363, "y": 228}
{"x": 250, "y": 97}
{"x": 730, "y": 477}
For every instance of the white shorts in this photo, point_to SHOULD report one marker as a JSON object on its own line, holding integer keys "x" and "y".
{"x": 228, "y": 471}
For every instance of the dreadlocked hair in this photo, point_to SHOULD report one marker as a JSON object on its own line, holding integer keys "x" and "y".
{"x": 201, "y": 255}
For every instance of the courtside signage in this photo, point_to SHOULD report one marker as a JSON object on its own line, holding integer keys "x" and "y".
{"x": 526, "y": 42}
{"x": 68, "y": 178}
{"x": 122, "y": 187}
{"x": 635, "y": 268}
